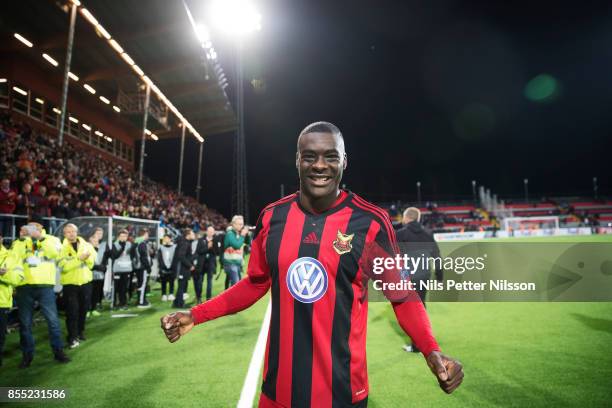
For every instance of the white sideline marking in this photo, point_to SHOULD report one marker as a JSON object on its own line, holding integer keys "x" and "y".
{"x": 247, "y": 395}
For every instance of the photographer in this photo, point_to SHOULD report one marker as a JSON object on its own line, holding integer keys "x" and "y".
{"x": 40, "y": 253}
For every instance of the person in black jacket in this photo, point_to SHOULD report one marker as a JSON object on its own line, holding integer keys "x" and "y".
{"x": 184, "y": 261}
{"x": 415, "y": 241}
{"x": 200, "y": 254}
{"x": 143, "y": 267}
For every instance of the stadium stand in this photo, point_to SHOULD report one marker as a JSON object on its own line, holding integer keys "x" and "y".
{"x": 81, "y": 183}
{"x": 459, "y": 217}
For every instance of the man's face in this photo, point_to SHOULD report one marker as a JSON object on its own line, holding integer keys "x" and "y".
{"x": 210, "y": 232}
{"x": 320, "y": 161}
{"x": 23, "y": 232}
{"x": 238, "y": 224}
{"x": 27, "y": 188}
{"x": 99, "y": 234}
{"x": 70, "y": 233}
{"x": 122, "y": 237}
{"x": 5, "y": 184}
{"x": 166, "y": 240}
{"x": 35, "y": 232}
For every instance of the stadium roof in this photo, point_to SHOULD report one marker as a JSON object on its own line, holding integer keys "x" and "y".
{"x": 158, "y": 36}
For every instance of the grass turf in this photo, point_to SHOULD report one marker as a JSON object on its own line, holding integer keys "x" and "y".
{"x": 515, "y": 354}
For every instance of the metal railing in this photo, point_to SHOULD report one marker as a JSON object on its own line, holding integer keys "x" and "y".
{"x": 10, "y": 224}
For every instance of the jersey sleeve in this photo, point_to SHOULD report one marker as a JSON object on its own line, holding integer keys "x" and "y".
{"x": 247, "y": 291}
{"x": 408, "y": 308}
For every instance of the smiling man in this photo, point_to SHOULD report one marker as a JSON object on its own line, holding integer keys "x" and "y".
{"x": 308, "y": 248}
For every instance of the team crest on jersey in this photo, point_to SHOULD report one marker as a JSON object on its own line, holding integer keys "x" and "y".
{"x": 342, "y": 243}
{"x": 307, "y": 280}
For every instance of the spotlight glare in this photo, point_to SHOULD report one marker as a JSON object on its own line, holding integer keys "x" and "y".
{"x": 50, "y": 59}
{"x": 19, "y": 90}
{"x": 237, "y": 17}
{"x": 23, "y": 40}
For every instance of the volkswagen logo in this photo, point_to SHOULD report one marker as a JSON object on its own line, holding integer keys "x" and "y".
{"x": 307, "y": 280}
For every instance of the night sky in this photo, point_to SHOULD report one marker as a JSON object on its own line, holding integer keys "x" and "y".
{"x": 422, "y": 91}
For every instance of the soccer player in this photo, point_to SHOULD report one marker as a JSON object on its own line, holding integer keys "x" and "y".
{"x": 307, "y": 250}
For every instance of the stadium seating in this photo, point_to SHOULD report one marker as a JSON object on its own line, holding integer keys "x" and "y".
{"x": 80, "y": 183}
{"x": 455, "y": 217}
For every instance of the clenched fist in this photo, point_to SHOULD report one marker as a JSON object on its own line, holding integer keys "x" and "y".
{"x": 176, "y": 324}
{"x": 447, "y": 370}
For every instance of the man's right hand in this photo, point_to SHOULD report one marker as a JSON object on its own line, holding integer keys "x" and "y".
{"x": 176, "y": 324}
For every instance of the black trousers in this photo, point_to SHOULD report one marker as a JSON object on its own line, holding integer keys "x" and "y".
{"x": 210, "y": 267}
{"x": 422, "y": 293}
{"x": 142, "y": 276}
{"x": 77, "y": 299}
{"x": 183, "y": 283}
{"x": 97, "y": 293}
{"x": 121, "y": 286}
{"x": 4, "y": 311}
{"x": 167, "y": 279}
{"x": 198, "y": 276}
{"x": 131, "y": 286}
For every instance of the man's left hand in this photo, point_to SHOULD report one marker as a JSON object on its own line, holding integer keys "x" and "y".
{"x": 448, "y": 371}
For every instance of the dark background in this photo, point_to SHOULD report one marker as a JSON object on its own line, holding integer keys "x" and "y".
{"x": 427, "y": 91}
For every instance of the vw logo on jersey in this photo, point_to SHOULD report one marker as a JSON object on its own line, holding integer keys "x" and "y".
{"x": 307, "y": 280}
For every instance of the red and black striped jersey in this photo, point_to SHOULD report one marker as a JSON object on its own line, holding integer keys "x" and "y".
{"x": 316, "y": 349}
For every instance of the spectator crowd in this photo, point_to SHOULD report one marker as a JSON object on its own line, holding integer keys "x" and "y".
{"x": 40, "y": 179}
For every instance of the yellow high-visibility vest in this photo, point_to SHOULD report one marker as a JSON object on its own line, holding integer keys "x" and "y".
{"x": 12, "y": 263}
{"x": 74, "y": 271}
{"x": 41, "y": 261}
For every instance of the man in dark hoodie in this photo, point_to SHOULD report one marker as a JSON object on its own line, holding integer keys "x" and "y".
{"x": 185, "y": 265}
{"x": 415, "y": 241}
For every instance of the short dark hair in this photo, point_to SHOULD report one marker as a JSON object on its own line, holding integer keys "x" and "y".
{"x": 123, "y": 231}
{"x": 143, "y": 231}
{"x": 186, "y": 231}
{"x": 322, "y": 127}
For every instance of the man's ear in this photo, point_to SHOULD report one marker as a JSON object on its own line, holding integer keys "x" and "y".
{"x": 297, "y": 160}
{"x": 345, "y": 162}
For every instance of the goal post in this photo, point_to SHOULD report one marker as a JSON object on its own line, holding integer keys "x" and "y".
{"x": 531, "y": 226}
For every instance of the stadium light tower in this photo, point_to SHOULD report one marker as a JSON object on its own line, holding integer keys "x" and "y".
{"x": 418, "y": 185}
{"x": 237, "y": 18}
{"x": 526, "y": 184}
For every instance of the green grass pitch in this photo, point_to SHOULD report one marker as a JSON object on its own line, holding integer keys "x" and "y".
{"x": 514, "y": 354}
